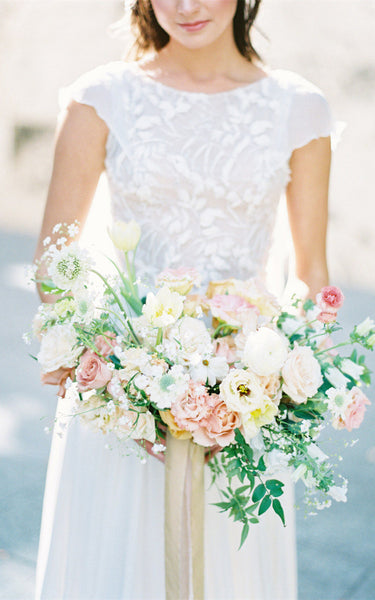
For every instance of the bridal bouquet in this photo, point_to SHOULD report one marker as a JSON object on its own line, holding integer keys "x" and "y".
{"x": 228, "y": 368}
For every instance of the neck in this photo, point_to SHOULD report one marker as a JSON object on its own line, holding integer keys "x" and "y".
{"x": 218, "y": 59}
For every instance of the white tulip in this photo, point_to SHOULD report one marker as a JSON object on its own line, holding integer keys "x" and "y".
{"x": 164, "y": 308}
{"x": 125, "y": 236}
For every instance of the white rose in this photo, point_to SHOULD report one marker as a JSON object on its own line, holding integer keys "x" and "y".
{"x": 265, "y": 351}
{"x": 59, "y": 348}
{"x": 301, "y": 374}
{"x": 125, "y": 236}
{"x": 164, "y": 308}
{"x": 144, "y": 427}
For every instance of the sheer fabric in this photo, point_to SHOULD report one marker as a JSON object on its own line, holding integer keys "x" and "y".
{"x": 202, "y": 174}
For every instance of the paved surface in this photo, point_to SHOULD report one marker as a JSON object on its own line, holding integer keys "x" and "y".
{"x": 336, "y": 548}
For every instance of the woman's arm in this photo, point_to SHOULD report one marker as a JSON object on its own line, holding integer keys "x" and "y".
{"x": 307, "y": 201}
{"x": 78, "y": 163}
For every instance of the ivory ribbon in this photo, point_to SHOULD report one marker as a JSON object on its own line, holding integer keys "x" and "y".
{"x": 184, "y": 520}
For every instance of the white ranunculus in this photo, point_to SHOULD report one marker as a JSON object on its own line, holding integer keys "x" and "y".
{"x": 193, "y": 339}
{"x": 59, "y": 348}
{"x": 125, "y": 236}
{"x": 365, "y": 327}
{"x": 265, "y": 351}
{"x": 301, "y": 374}
{"x": 164, "y": 308}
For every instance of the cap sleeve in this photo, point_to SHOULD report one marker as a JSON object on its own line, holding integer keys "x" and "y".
{"x": 310, "y": 115}
{"x": 96, "y": 88}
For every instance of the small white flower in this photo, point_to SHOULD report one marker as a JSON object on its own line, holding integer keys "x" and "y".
{"x": 338, "y": 493}
{"x": 46, "y": 240}
{"x": 158, "y": 448}
{"x": 335, "y": 377}
{"x": 57, "y": 228}
{"x": 364, "y": 328}
{"x": 211, "y": 369}
{"x": 73, "y": 230}
{"x": 351, "y": 368}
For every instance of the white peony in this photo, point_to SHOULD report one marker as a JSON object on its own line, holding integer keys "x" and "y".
{"x": 265, "y": 351}
{"x": 164, "y": 308}
{"x": 59, "y": 348}
{"x": 301, "y": 374}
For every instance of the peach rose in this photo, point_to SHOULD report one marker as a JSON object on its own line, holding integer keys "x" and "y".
{"x": 104, "y": 343}
{"x": 355, "y": 411}
{"x": 92, "y": 372}
{"x": 301, "y": 374}
{"x": 195, "y": 304}
{"x": 59, "y": 378}
{"x": 193, "y": 408}
{"x": 219, "y": 426}
{"x": 227, "y": 307}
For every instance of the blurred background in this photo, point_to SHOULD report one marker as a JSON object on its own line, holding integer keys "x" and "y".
{"x": 45, "y": 45}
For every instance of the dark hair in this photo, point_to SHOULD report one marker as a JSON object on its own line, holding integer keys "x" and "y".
{"x": 149, "y": 35}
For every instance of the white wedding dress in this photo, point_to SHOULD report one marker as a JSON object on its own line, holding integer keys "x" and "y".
{"x": 202, "y": 174}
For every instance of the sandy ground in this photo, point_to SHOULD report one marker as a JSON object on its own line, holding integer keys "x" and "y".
{"x": 330, "y": 43}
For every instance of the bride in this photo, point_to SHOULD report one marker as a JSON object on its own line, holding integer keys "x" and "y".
{"x": 199, "y": 140}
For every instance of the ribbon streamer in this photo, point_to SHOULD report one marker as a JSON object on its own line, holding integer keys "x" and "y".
{"x": 184, "y": 520}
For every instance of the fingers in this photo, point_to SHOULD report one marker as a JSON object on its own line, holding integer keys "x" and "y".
{"x": 211, "y": 453}
{"x": 148, "y": 447}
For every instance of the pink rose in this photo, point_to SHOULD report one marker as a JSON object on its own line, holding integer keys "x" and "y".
{"x": 104, "y": 343}
{"x": 218, "y": 427}
{"x": 193, "y": 408}
{"x": 225, "y": 347}
{"x": 92, "y": 372}
{"x": 355, "y": 411}
{"x": 329, "y": 300}
{"x": 227, "y": 308}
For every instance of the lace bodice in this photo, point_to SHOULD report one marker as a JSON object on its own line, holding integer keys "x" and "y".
{"x": 202, "y": 173}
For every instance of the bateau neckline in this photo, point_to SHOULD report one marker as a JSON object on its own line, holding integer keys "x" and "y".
{"x": 135, "y": 68}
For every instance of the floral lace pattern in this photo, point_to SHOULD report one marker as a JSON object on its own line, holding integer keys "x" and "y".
{"x": 201, "y": 173}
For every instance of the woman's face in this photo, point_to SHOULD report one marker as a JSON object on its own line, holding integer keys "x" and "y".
{"x": 195, "y": 23}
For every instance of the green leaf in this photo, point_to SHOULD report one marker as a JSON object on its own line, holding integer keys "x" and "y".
{"x": 264, "y": 505}
{"x": 245, "y": 533}
{"x": 259, "y": 492}
{"x": 254, "y": 520}
{"x": 276, "y": 505}
{"x": 261, "y": 465}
